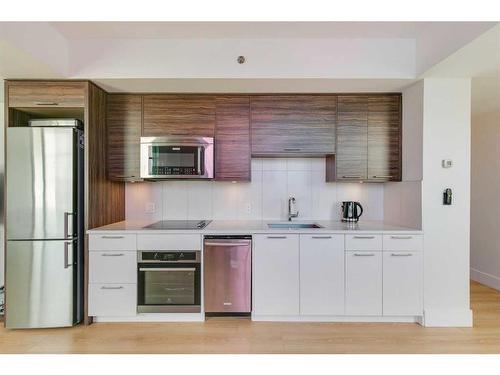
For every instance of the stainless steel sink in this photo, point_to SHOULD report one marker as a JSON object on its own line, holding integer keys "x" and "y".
{"x": 293, "y": 225}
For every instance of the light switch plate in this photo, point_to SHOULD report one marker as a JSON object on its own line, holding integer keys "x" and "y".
{"x": 447, "y": 163}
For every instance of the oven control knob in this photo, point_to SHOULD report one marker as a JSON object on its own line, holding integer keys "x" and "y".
{"x": 156, "y": 256}
{"x": 181, "y": 256}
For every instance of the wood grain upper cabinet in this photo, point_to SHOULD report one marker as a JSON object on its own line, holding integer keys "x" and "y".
{"x": 124, "y": 121}
{"x": 190, "y": 115}
{"x": 352, "y": 134}
{"x": 232, "y": 138}
{"x": 384, "y": 137}
{"x": 29, "y": 94}
{"x": 293, "y": 124}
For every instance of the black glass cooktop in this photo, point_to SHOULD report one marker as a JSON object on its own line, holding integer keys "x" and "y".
{"x": 179, "y": 224}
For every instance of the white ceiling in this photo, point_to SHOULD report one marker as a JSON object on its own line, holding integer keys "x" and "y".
{"x": 252, "y": 30}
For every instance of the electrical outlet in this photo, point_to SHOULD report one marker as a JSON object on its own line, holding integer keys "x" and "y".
{"x": 249, "y": 208}
{"x": 150, "y": 208}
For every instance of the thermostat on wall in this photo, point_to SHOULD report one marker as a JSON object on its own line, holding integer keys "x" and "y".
{"x": 447, "y": 163}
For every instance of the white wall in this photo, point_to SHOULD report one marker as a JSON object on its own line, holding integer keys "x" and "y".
{"x": 446, "y": 134}
{"x": 485, "y": 182}
{"x": 266, "y": 197}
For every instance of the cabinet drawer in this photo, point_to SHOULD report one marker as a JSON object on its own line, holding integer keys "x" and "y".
{"x": 46, "y": 94}
{"x": 169, "y": 242}
{"x": 403, "y": 242}
{"x": 113, "y": 267}
{"x": 110, "y": 242}
{"x": 113, "y": 299}
{"x": 363, "y": 283}
{"x": 362, "y": 242}
{"x": 403, "y": 283}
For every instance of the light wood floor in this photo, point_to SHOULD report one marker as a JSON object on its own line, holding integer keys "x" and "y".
{"x": 233, "y": 335}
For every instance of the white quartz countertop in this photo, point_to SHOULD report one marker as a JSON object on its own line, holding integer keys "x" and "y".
{"x": 257, "y": 226}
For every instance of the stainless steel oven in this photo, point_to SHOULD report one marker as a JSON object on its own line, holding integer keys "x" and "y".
{"x": 169, "y": 281}
{"x": 177, "y": 157}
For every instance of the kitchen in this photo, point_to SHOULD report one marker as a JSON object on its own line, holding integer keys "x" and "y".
{"x": 236, "y": 199}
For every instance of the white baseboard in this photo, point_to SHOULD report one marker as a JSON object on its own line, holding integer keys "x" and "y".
{"x": 335, "y": 318}
{"x": 485, "y": 278}
{"x": 447, "y": 318}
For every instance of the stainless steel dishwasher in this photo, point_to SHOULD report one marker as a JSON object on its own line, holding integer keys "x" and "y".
{"x": 227, "y": 270}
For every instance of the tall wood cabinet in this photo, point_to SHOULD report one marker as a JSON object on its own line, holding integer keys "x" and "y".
{"x": 368, "y": 138}
{"x": 293, "y": 125}
{"x": 124, "y": 128}
{"x": 232, "y": 138}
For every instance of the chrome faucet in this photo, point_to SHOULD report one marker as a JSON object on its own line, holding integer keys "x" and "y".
{"x": 292, "y": 210}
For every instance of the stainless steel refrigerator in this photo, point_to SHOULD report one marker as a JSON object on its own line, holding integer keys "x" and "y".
{"x": 44, "y": 224}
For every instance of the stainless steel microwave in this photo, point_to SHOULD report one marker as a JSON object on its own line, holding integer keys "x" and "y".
{"x": 177, "y": 157}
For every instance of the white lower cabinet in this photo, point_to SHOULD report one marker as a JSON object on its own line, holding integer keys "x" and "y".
{"x": 321, "y": 274}
{"x": 363, "y": 283}
{"x": 112, "y": 299}
{"x": 113, "y": 267}
{"x": 402, "y": 283}
{"x": 276, "y": 274}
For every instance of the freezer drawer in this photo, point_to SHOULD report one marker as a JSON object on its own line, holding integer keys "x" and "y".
{"x": 40, "y": 289}
{"x": 227, "y": 275}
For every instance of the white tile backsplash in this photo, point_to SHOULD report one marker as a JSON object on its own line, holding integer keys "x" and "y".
{"x": 265, "y": 198}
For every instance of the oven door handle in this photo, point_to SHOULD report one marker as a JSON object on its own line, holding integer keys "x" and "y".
{"x": 167, "y": 269}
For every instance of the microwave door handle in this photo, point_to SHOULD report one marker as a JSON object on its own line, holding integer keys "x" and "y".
{"x": 200, "y": 150}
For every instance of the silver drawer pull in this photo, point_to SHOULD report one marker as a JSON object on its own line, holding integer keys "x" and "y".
{"x": 321, "y": 237}
{"x": 352, "y": 177}
{"x": 401, "y": 255}
{"x": 401, "y": 237}
{"x": 292, "y": 149}
{"x": 364, "y": 255}
{"x": 112, "y": 255}
{"x": 111, "y": 287}
{"x": 364, "y": 237}
{"x": 46, "y": 103}
{"x": 112, "y": 237}
{"x": 383, "y": 176}
{"x": 276, "y": 237}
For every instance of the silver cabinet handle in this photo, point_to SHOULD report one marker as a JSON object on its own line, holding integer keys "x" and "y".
{"x": 292, "y": 149}
{"x": 167, "y": 269}
{"x": 401, "y": 237}
{"x": 352, "y": 176}
{"x": 112, "y": 237}
{"x": 112, "y": 287}
{"x": 364, "y": 255}
{"x": 401, "y": 255}
{"x": 383, "y": 176}
{"x": 66, "y": 225}
{"x": 66, "y": 254}
{"x": 276, "y": 237}
{"x": 112, "y": 255}
{"x": 321, "y": 237}
{"x": 364, "y": 237}
{"x": 46, "y": 103}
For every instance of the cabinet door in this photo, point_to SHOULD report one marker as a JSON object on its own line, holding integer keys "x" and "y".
{"x": 276, "y": 274}
{"x": 46, "y": 94}
{"x": 232, "y": 138}
{"x": 112, "y": 299}
{"x": 384, "y": 138}
{"x": 322, "y": 274}
{"x": 352, "y": 132}
{"x": 293, "y": 124}
{"x": 124, "y": 123}
{"x": 403, "y": 283}
{"x": 188, "y": 115}
{"x": 363, "y": 283}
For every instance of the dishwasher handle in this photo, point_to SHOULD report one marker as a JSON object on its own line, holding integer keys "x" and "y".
{"x": 228, "y": 242}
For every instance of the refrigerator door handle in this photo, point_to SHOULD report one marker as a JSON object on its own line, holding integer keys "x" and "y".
{"x": 67, "y": 235}
{"x": 66, "y": 254}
